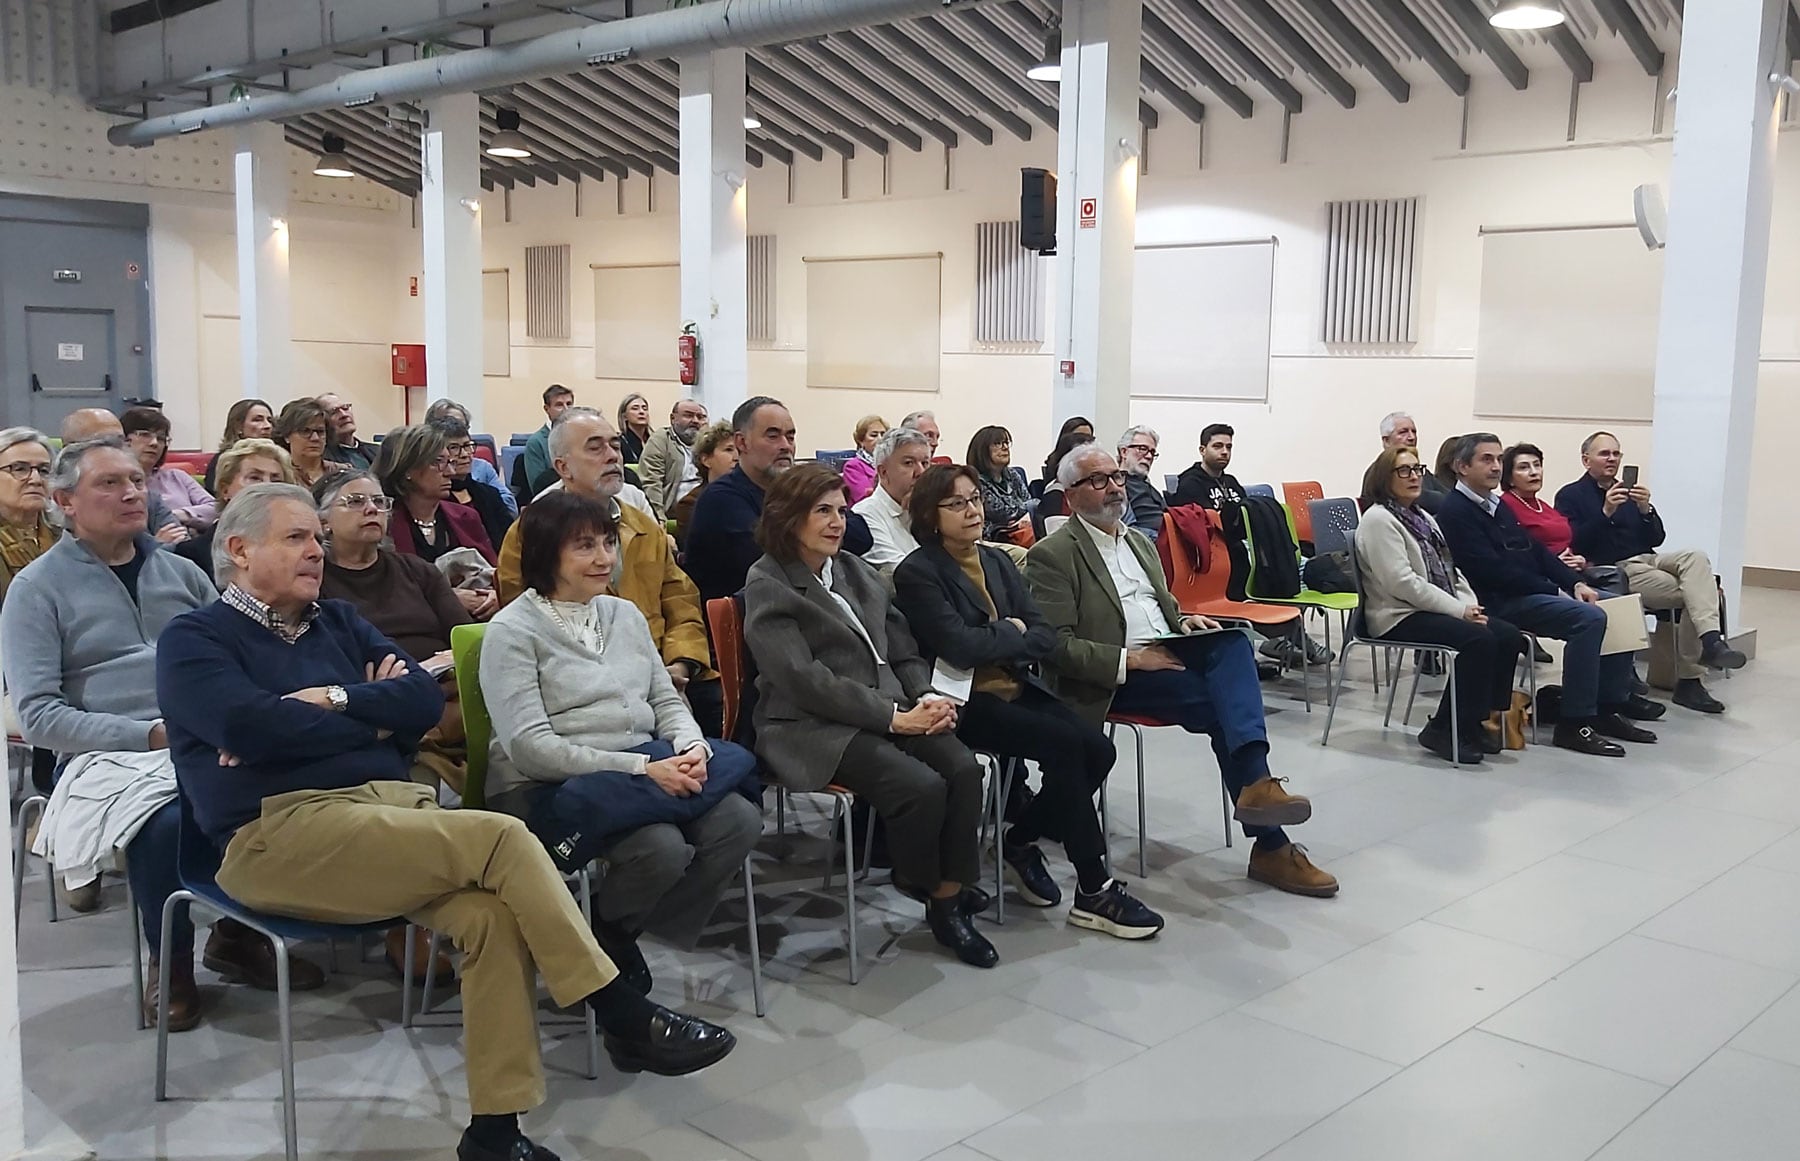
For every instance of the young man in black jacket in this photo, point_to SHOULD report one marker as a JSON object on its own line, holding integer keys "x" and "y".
{"x": 1519, "y": 581}
{"x": 1615, "y": 523}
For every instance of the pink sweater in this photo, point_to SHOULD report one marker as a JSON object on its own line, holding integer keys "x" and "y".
{"x": 186, "y": 499}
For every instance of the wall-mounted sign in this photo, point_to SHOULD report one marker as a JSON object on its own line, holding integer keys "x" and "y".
{"x": 65, "y": 276}
{"x": 412, "y": 287}
{"x": 69, "y": 353}
{"x": 133, "y": 271}
{"x": 1090, "y": 213}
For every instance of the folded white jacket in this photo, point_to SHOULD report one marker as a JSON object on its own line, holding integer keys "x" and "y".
{"x": 101, "y": 801}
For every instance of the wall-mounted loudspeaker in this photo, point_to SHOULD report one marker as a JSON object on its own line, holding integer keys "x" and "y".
{"x": 1652, "y": 217}
{"x": 1037, "y": 210}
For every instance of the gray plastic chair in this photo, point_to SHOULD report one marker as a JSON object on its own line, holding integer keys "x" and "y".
{"x": 1333, "y": 523}
{"x": 1261, "y": 490}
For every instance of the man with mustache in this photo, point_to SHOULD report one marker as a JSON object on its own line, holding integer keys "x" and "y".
{"x": 667, "y": 469}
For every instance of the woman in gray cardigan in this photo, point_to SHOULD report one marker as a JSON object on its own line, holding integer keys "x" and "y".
{"x": 594, "y": 748}
{"x": 1413, "y": 592}
{"x": 843, "y": 696}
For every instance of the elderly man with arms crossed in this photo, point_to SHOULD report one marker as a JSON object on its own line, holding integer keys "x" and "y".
{"x": 291, "y": 721}
{"x": 1102, "y": 589}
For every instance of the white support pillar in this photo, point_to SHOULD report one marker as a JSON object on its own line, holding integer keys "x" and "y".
{"x": 265, "y": 327}
{"x": 714, "y": 226}
{"x": 450, "y": 210}
{"x": 1722, "y": 186}
{"x": 1097, "y": 169}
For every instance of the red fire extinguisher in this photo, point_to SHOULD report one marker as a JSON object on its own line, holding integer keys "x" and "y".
{"x": 687, "y": 350}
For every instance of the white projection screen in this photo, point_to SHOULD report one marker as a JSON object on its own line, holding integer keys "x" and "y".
{"x": 637, "y": 316}
{"x": 874, "y": 323}
{"x": 1200, "y": 319}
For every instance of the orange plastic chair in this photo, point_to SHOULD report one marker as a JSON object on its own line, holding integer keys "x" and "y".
{"x": 1297, "y": 496}
{"x": 1203, "y": 593}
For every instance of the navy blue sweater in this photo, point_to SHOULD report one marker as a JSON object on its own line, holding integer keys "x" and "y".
{"x": 721, "y": 539}
{"x": 221, "y": 680}
{"x": 1499, "y": 557}
{"x": 1607, "y": 539}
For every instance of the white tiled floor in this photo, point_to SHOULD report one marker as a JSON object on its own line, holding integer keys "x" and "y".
{"x": 1551, "y": 958}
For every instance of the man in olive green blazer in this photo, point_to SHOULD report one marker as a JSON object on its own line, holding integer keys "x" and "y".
{"x": 1101, "y": 586}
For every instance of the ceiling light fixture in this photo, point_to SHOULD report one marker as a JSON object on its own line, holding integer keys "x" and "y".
{"x": 332, "y": 162}
{"x": 750, "y": 121}
{"x": 508, "y": 142}
{"x": 1049, "y": 66}
{"x": 1526, "y": 15}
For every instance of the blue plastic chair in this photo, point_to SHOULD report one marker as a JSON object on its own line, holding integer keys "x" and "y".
{"x": 1261, "y": 490}
{"x": 197, "y": 866}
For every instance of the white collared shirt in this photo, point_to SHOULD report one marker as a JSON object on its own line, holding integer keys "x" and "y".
{"x": 1144, "y": 619}
{"x": 849, "y": 613}
{"x": 889, "y": 527}
{"x": 1490, "y": 503}
{"x": 690, "y": 471}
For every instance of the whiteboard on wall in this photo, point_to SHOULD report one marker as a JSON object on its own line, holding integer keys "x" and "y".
{"x": 637, "y": 317}
{"x": 496, "y": 323}
{"x": 874, "y": 323}
{"x": 1568, "y": 324}
{"x": 1200, "y": 320}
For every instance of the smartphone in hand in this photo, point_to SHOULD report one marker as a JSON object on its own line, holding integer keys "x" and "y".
{"x": 1629, "y": 475}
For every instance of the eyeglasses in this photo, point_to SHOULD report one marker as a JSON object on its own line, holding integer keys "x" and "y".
{"x": 152, "y": 436}
{"x": 313, "y": 432}
{"x": 460, "y": 449}
{"x": 1142, "y": 449}
{"x": 355, "y": 503}
{"x": 1100, "y": 479}
{"x": 1410, "y": 471}
{"x": 23, "y": 471}
{"x": 960, "y": 503}
{"x": 442, "y": 464}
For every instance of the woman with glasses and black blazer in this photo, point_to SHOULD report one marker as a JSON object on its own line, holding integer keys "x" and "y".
{"x": 970, "y": 611}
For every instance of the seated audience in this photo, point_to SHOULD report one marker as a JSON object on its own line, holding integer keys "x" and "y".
{"x": 1397, "y": 431}
{"x": 722, "y": 543}
{"x": 247, "y": 462}
{"x": 1413, "y": 592}
{"x": 459, "y": 450}
{"x": 1521, "y": 484}
{"x": 480, "y": 470}
{"x": 87, "y": 423}
{"x": 1517, "y": 579}
{"x": 901, "y": 457}
{"x": 667, "y": 470}
{"x": 247, "y": 419}
{"x": 414, "y": 470}
{"x": 926, "y": 424}
{"x": 714, "y": 454}
{"x": 1101, "y": 587}
{"x": 1615, "y": 523}
{"x": 594, "y": 747}
{"x": 147, "y": 434}
{"x": 532, "y": 472}
{"x": 586, "y": 452}
{"x": 859, "y": 469}
{"x": 292, "y": 720}
{"x": 634, "y": 427}
{"x": 968, "y": 608}
{"x": 29, "y": 525}
{"x": 342, "y": 446}
{"x": 844, "y": 697}
{"x": 1051, "y": 499}
{"x": 1074, "y": 425}
{"x": 302, "y": 429}
{"x": 81, "y": 627}
{"x": 1145, "y": 501}
{"x": 1005, "y": 500}
{"x": 1443, "y": 470}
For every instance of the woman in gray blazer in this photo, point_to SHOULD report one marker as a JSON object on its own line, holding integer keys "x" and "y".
{"x": 1413, "y": 592}
{"x": 844, "y": 697}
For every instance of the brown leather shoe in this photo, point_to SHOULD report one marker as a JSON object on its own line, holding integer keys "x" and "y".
{"x": 184, "y": 996}
{"x": 244, "y": 957}
{"x": 1288, "y": 869}
{"x": 442, "y": 973}
{"x": 1508, "y": 728}
{"x": 1265, "y": 803}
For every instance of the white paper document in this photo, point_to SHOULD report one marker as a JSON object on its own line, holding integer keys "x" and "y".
{"x": 1624, "y": 625}
{"x": 955, "y": 684}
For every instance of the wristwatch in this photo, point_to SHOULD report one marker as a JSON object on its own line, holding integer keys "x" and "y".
{"x": 339, "y": 699}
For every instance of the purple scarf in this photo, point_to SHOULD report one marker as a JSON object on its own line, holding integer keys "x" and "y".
{"x": 1439, "y": 569}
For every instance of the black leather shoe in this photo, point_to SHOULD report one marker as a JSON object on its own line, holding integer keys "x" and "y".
{"x": 1437, "y": 739}
{"x": 1690, "y": 694}
{"x": 1718, "y": 654}
{"x": 950, "y": 926}
{"x": 1614, "y": 726}
{"x": 1541, "y": 656}
{"x": 1583, "y": 740}
{"x": 1025, "y": 867}
{"x": 674, "y": 1045}
{"x": 244, "y": 957}
{"x": 521, "y": 1149}
{"x": 622, "y": 948}
{"x": 1490, "y": 741}
{"x": 1638, "y": 709}
{"x": 974, "y": 899}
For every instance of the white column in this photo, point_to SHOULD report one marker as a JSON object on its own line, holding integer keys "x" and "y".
{"x": 1722, "y": 185}
{"x": 714, "y": 225}
{"x": 1096, "y": 162}
{"x": 260, "y": 182}
{"x": 450, "y": 210}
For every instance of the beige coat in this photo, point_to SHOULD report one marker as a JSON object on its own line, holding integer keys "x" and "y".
{"x": 1393, "y": 574}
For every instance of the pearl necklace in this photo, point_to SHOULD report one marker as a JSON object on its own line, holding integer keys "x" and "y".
{"x": 593, "y": 636}
{"x": 1537, "y": 507}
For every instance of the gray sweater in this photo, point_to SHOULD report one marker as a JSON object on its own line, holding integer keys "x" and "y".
{"x": 80, "y": 655}
{"x": 559, "y": 710}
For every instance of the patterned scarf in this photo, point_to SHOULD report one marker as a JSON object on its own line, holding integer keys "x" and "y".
{"x": 20, "y": 546}
{"x": 1439, "y": 569}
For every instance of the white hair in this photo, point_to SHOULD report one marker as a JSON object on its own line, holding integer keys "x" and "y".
{"x": 1390, "y": 421}
{"x": 67, "y": 472}
{"x": 559, "y": 431}
{"x": 897, "y": 438}
{"x": 1070, "y": 470}
{"x": 912, "y": 420}
{"x": 1131, "y": 433}
{"x": 247, "y": 516}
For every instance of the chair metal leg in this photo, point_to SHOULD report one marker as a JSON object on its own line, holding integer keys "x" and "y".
{"x": 406, "y": 1009}
{"x": 850, "y": 893}
{"x": 33, "y": 806}
{"x": 839, "y": 816}
{"x": 1455, "y": 728}
{"x": 1305, "y": 668}
{"x": 1337, "y": 691}
{"x": 175, "y": 899}
{"x": 137, "y": 956}
{"x": 1105, "y": 796}
{"x": 1387, "y": 718}
{"x": 584, "y": 886}
{"x": 1002, "y": 776}
{"x": 1412, "y": 694}
{"x": 283, "y": 998}
{"x": 1531, "y": 686}
{"x": 756, "y": 979}
{"x": 868, "y": 858}
{"x": 1225, "y": 805}
{"x": 1138, "y": 740}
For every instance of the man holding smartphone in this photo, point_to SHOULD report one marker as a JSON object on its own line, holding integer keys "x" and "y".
{"x": 1615, "y": 523}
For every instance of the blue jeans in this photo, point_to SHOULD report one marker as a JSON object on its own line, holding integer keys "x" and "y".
{"x": 150, "y": 867}
{"x": 1218, "y": 694}
{"x": 1590, "y": 681}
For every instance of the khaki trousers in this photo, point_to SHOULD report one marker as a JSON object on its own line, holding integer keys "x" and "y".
{"x": 384, "y": 849}
{"x": 1679, "y": 580}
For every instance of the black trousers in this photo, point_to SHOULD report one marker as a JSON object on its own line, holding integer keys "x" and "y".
{"x": 928, "y": 791}
{"x": 1486, "y": 658}
{"x": 1074, "y": 756}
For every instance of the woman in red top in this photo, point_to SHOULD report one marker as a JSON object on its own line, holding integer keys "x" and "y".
{"x": 1521, "y": 480}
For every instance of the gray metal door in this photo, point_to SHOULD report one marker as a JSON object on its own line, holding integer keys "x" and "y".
{"x": 71, "y": 362}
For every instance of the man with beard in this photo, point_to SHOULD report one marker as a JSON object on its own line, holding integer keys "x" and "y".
{"x": 667, "y": 470}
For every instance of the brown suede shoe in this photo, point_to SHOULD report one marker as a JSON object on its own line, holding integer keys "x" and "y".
{"x": 442, "y": 973}
{"x": 85, "y": 898}
{"x": 244, "y": 957}
{"x": 1265, "y": 803}
{"x": 1288, "y": 869}
{"x": 184, "y": 997}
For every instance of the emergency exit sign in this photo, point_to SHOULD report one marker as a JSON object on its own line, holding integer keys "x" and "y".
{"x": 1090, "y": 213}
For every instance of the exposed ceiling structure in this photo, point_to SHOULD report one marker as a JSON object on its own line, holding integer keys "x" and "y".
{"x": 946, "y": 78}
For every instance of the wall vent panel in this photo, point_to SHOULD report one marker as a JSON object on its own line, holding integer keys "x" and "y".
{"x": 1371, "y": 272}
{"x": 1009, "y": 286}
{"x": 761, "y": 304}
{"x": 547, "y": 292}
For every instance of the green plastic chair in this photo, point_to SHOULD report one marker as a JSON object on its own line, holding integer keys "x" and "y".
{"x": 478, "y": 728}
{"x": 1343, "y": 604}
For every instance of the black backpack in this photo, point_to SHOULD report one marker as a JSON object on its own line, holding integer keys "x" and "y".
{"x": 1277, "y": 563}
